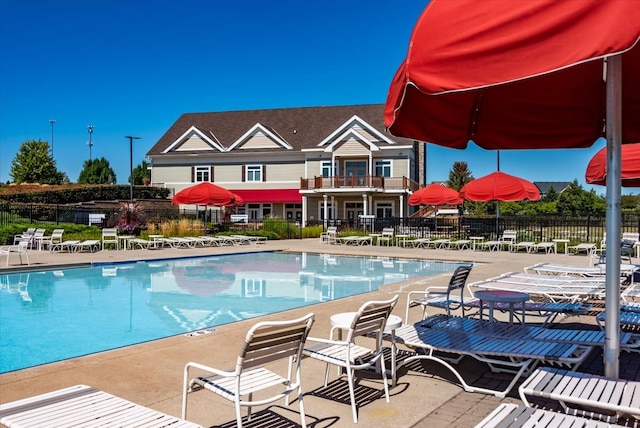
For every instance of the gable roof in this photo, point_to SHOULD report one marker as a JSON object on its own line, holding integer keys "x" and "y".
{"x": 558, "y": 186}
{"x": 301, "y": 127}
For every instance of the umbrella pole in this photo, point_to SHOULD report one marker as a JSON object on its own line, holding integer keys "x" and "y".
{"x": 614, "y": 160}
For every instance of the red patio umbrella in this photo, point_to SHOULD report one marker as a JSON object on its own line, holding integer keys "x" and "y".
{"x": 499, "y": 186}
{"x": 435, "y": 194}
{"x": 596, "y": 172}
{"x": 204, "y": 193}
{"x": 527, "y": 74}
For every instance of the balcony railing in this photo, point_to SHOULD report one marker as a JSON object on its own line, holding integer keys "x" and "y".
{"x": 359, "y": 181}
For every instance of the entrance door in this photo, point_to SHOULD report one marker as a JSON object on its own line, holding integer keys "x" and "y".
{"x": 352, "y": 211}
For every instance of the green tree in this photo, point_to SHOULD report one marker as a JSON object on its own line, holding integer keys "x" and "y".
{"x": 576, "y": 201}
{"x": 97, "y": 171}
{"x": 550, "y": 196}
{"x": 34, "y": 164}
{"x": 630, "y": 202}
{"x": 141, "y": 173}
{"x": 459, "y": 175}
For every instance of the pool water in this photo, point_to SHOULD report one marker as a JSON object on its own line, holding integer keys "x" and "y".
{"x": 52, "y": 315}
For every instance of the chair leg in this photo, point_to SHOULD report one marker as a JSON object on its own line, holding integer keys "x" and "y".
{"x": 238, "y": 412}
{"x": 352, "y": 395}
{"x": 303, "y": 421}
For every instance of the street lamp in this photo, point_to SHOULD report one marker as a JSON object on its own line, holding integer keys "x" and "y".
{"x": 90, "y": 143}
{"x": 131, "y": 168}
{"x": 51, "y": 121}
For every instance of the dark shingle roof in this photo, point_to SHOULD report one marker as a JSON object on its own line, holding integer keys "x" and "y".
{"x": 558, "y": 186}
{"x": 302, "y": 127}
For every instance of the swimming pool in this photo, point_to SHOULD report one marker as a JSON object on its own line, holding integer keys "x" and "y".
{"x": 53, "y": 315}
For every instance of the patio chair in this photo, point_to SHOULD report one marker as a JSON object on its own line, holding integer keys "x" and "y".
{"x": 36, "y": 239}
{"x": 441, "y": 296}
{"x": 506, "y": 240}
{"x": 575, "y": 391}
{"x": 528, "y": 246}
{"x": 83, "y": 405}
{"x": 54, "y": 238}
{"x": 370, "y": 320}
{"x": 68, "y": 246}
{"x": 91, "y": 245}
{"x": 588, "y": 248}
{"x": 509, "y": 415}
{"x": 386, "y": 237}
{"x": 26, "y": 234}
{"x": 20, "y": 249}
{"x": 266, "y": 342}
{"x": 329, "y": 236}
{"x": 110, "y": 237}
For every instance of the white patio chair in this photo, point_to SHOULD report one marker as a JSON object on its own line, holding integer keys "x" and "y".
{"x": 110, "y": 237}
{"x": 20, "y": 249}
{"x": 54, "y": 238}
{"x": 386, "y": 237}
{"x": 370, "y": 320}
{"x": 265, "y": 343}
{"x": 26, "y": 234}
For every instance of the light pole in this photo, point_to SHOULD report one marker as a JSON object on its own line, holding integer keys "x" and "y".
{"x": 131, "y": 168}
{"x": 90, "y": 143}
{"x": 51, "y": 121}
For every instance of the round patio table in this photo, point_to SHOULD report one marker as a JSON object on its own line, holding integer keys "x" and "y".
{"x": 502, "y": 296}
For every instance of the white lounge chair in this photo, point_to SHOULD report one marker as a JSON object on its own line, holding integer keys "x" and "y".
{"x": 329, "y": 236}
{"x": 54, "y": 238}
{"x": 386, "y": 237}
{"x": 370, "y": 319}
{"x": 547, "y": 247}
{"x": 26, "y": 234}
{"x": 587, "y": 248}
{"x": 91, "y": 245}
{"x": 21, "y": 249}
{"x": 554, "y": 292}
{"x": 508, "y": 415}
{"x": 528, "y": 246}
{"x": 573, "y": 389}
{"x": 265, "y": 343}
{"x": 83, "y": 405}
{"x": 503, "y": 355}
{"x": 64, "y": 246}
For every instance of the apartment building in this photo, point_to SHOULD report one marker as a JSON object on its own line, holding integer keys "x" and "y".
{"x": 312, "y": 165}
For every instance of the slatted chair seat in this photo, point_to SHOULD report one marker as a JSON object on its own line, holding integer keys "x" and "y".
{"x": 82, "y": 405}
{"x": 508, "y": 415}
{"x": 572, "y": 388}
{"x": 252, "y": 380}
{"x": 503, "y": 355}
{"x": 628, "y": 341}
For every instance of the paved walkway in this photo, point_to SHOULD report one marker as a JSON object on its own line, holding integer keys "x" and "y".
{"x": 426, "y": 395}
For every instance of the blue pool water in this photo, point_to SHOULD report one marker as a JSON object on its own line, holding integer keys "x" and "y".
{"x": 53, "y": 315}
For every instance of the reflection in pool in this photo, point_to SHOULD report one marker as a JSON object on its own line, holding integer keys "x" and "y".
{"x": 52, "y": 315}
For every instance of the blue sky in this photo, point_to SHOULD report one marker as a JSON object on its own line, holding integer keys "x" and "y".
{"x": 132, "y": 67}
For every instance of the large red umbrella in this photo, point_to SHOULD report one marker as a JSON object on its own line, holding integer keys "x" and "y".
{"x": 527, "y": 74}
{"x": 596, "y": 172}
{"x": 204, "y": 193}
{"x": 435, "y": 194}
{"x": 499, "y": 186}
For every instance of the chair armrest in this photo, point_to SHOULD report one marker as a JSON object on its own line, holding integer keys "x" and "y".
{"x": 206, "y": 369}
{"x": 327, "y": 341}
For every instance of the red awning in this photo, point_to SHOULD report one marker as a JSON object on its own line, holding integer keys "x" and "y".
{"x": 274, "y": 196}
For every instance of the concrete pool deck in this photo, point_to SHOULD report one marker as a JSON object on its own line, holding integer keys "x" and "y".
{"x": 150, "y": 374}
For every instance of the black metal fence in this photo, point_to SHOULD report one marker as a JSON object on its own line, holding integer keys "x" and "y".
{"x": 534, "y": 228}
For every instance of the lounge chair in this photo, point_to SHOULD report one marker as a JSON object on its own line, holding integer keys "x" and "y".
{"x": 587, "y": 248}
{"x": 83, "y": 405}
{"x": 547, "y": 247}
{"x": 598, "y": 393}
{"x": 265, "y": 343}
{"x": 628, "y": 341}
{"x": 528, "y": 246}
{"x": 460, "y": 244}
{"x": 370, "y": 319}
{"x": 629, "y": 315}
{"x": 508, "y": 415}
{"x": 386, "y": 237}
{"x": 142, "y": 244}
{"x": 91, "y": 245}
{"x": 110, "y": 238}
{"x": 36, "y": 239}
{"x": 26, "y": 234}
{"x": 503, "y": 355}
{"x": 21, "y": 249}
{"x": 54, "y": 238}
{"x": 68, "y": 246}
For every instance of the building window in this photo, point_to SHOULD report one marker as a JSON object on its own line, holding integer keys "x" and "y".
{"x": 202, "y": 173}
{"x": 254, "y": 173}
{"x": 327, "y": 170}
{"x": 357, "y": 168}
{"x": 383, "y": 168}
{"x": 384, "y": 209}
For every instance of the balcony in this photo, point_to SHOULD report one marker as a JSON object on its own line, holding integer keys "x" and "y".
{"x": 360, "y": 182}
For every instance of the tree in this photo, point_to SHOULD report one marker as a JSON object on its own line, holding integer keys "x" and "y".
{"x": 576, "y": 201}
{"x": 97, "y": 171}
{"x": 141, "y": 174}
{"x": 459, "y": 175}
{"x": 34, "y": 164}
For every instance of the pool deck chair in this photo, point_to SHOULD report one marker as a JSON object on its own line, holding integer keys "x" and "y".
{"x": 91, "y": 245}
{"x": 594, "y": 337}
{"x": 21, "y": 249}
{"x": 265, "y": 343}
{"x": 601, "y": 395}
{"x": 503, "y": 355}
{"x": 83, "y": 405}
{"x": 370, "y": 320}
{"x": 110, "y": 237}
{"x": 443, "y": 297}
{"x": 508, "y": 415}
